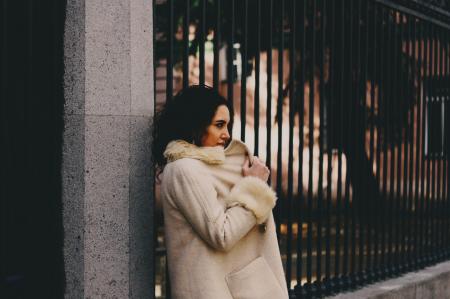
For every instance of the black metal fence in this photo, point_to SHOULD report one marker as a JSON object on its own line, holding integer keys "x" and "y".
{"x": 348, "y": 103}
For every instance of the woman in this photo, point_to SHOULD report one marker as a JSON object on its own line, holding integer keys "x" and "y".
{"x": 219, "y": 228}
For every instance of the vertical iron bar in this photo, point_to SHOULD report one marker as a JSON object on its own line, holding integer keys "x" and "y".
{"x": 379, "y": 241}
{"x": 444, "y": 74}
{"x": 413, "y": 152}
{"x": 257, "y": 75}
{"x": 364, "y": 232}
{"x": 438, "y": 220}
{"x": 321, "y": 133}
{"x": 398, "y": 133}
{"x": 440, "y": 158}
{"x": 312, "y": 29}
{"x": 446, "y": 82}
{"x": 169, "y": 86}
{"x": 201, "y": 41}
{"x": 428, "y": 248}
{"x": 425, "y": 155}
{"x": 340, "y": 145}
{"x": 416, "y": 141}
{"x": 440, "y": 169}
{"x": 446, "y": 176}
{"x": 330, "y": 100}
{"x": 382, "y": 90}
{"x": 446, "y": 90}
{"x": 438, "y": 139}
{"x": 230, "y": 58}
{"x": 391, "y": 138}
{"x": 244, "y": 71}
{"x": 430, "y": 158}
{"x": 269, "y": 88}
{"x": 447, "y": 139}
{"x": 348, "y": 145}
{"x": 409, "y": 153}
{"x": 365, "y": 243}
{"x": 280, "y": 115}
{"x": 374, "y": 155}
{"x": 419, "y": 154}
{"x": 292, "y": 95}
{"x": 434, "y": 153}
{"x": 186, "y": 44}
{"x": 439, "y": 145}
{"x": 422, "y": 153}
{"x": 217, "y": 37}
{"x": 426, "y": 144}
{"x": 298, "y": 289}
{"x": 359, "y": 106}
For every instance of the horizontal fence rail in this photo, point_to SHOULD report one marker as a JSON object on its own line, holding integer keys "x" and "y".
{"x": 348, "y": 103}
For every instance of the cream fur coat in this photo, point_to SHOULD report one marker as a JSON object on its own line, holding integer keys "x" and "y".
{"x": 220, "y": 233}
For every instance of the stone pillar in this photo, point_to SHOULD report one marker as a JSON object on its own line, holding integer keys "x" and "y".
{"x": 107, "y": 174}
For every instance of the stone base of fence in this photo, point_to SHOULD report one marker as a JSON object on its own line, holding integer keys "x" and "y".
{"x": 431, "y": 282}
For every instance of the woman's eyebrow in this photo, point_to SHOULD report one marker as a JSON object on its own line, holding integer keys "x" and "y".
{"x": 220, "y": 121}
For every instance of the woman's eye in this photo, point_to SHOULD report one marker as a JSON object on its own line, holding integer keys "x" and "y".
{"x": 219, "y": 126}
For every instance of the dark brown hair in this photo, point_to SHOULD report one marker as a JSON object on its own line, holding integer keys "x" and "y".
{"x": 185, "y": 117}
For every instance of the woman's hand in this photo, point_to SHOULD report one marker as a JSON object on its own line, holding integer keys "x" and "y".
{"x": 257, "y": 169}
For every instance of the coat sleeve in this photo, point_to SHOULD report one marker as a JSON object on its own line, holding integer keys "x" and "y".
{"x": 195, "y": 197}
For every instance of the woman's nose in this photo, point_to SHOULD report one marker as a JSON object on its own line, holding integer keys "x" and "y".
{"x": 226, "y": 135}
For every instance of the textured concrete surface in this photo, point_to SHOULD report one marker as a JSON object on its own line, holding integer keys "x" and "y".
{"x": 107, "y": 175}
{"x": 74, "y": 58}
{"x": 140, "y": 208}
{"x": 108, "y": 57}
{"x": 73, "y": 149}
{"x": 106, "y": 206}
{"x": 73, "y": 204}
{"x": 432, "y": 282}
{"x": 141, "y": 62}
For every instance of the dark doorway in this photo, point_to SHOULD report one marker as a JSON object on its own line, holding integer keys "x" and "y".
{"x": 31, "y": 117}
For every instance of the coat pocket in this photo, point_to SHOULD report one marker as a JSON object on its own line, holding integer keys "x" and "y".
{"x": 255, "y": 281}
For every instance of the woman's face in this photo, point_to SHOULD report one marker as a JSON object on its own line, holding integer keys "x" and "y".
{"x": 217, "y": 132}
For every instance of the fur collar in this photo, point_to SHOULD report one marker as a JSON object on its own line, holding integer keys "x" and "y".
{"x": 179, "y": 149}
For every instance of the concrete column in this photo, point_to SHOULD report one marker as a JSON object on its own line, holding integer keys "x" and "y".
{"x": 107, "y": 175}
